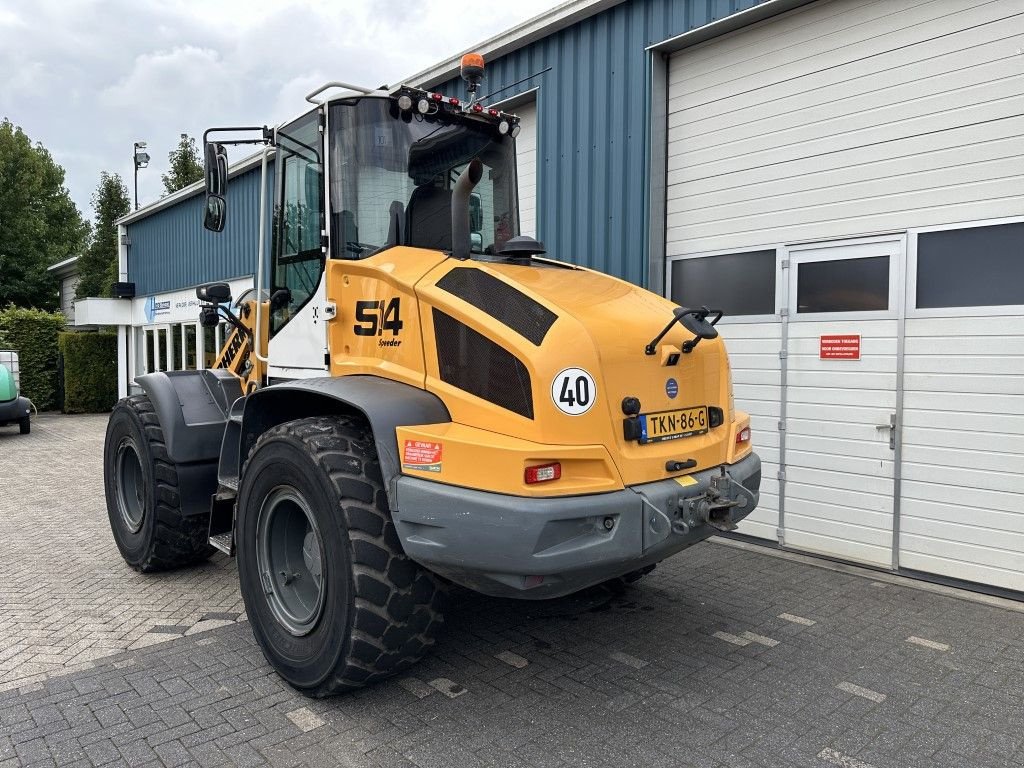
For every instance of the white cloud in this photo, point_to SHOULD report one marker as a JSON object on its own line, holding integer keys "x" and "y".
{"x": 89, "y": 77}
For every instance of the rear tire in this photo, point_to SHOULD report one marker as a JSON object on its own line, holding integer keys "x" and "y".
{"x": 331, "y": 597}
{"x": 141, "y": 484}
{"x": 25, "y": 425}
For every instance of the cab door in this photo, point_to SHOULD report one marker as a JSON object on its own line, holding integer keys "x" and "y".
{"x": 298, "y": 295}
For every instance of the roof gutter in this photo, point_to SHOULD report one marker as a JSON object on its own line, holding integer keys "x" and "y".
{"x": 520, "y": 36}
{"x": 246, "y": 164}
{"x": 727, "y": 24}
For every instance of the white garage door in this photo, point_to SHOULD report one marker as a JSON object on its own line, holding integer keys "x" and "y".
{"x": 526, "y": 167}
{"x": 845, "y": 118}
{"x": 835, "y": 121}
{"x": 962, "y": 501}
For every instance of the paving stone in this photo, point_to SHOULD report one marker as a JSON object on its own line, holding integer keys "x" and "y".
{"x": 649, "y": 677}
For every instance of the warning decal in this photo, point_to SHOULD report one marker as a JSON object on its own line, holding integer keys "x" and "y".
{"x": 421, "y": 455}
{"x": 840, "y": 347}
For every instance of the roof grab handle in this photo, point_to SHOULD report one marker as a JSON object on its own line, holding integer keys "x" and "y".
{"x": 335, "y": 84}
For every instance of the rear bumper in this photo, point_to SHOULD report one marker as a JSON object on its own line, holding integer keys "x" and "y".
{"x": 536, "y": 548}
{"x": 11, "y": 411}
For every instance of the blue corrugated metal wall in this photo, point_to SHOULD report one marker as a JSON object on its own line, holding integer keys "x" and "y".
{"x": 592, "y": 154}
{"x": 591, "y": 148}
{"x": 171, "y": 250}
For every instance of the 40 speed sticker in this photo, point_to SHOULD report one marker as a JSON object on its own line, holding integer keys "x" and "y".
{"x": 573, "y": 391}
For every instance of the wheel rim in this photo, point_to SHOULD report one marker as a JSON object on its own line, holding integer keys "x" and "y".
{"x": 289, "y": 557}
{"x": 131, "y": 485}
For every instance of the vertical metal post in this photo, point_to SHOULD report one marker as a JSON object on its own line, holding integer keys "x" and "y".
{"x": 903, "y": 301}
{"x": 787, "y": 276}
{"x": 657, "y": 171}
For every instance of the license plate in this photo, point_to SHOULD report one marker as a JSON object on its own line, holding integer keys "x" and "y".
{"x": 672, "y": 425}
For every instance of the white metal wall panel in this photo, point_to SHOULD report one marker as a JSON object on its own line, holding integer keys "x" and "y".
{"x": 961, "y": 510}
{"x": 756, "y": 374}
{"x": 526, "y": 167}
{"x": 846, "y": 117}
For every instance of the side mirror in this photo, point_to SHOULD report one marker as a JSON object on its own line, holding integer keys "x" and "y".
{"x": 214, "y": 293}
{"x": 216, "y": 174}
{"x": 216, "y": 213}
{"x": 209, "y": 317}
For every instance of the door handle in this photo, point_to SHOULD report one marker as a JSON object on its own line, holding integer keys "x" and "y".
{"x": 891, "y": 426}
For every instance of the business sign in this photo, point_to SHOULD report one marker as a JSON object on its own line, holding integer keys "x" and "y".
{"x": 845, "y": 346}
{"x": 176, "y": 306}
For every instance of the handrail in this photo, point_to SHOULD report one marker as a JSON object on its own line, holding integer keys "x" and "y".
{"x": 336, "y": 84}
{"x": 267, "y": 151}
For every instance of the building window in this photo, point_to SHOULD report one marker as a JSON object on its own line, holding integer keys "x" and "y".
{"x": 971, "y": 267}
{"x": 843, "y": 285}
{"x": 737, "y": 283}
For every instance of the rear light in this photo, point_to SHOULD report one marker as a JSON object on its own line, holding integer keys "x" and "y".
{"x": 743, "y": 436}
{"x": 453, "y": 101}
{"x": 436, "y": 96}
{"x": 478, "y": 108}
{"x": 542, "y": 473}
{"x": 493, "y": 112}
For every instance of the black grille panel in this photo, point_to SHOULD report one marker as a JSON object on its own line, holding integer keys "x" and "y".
{"x": 501, "y": 301}
{"x": 477, "y": 365}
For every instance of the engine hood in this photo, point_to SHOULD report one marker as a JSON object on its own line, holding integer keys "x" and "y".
{"x": 577, "y": 323}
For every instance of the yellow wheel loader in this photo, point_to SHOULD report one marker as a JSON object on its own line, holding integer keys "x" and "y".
{"x": 414, "y": 394}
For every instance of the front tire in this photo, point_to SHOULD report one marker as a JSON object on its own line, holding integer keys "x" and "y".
{"x": 331, "y": 597}
{"x": 25, "y": 425}
{"x": 141, "y": 485}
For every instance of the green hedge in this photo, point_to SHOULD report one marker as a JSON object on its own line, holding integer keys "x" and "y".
{"x": 32, "y": 333}
{"x": 90, "y": 371}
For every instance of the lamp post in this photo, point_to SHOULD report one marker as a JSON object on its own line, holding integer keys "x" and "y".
{"x": 141, "y": 160}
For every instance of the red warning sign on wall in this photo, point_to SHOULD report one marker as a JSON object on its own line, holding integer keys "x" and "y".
{"x": 844, "y": 346}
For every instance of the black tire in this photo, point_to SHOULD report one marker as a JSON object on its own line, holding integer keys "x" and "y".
{"x": 25, "y": 425}
{"x": 375, "y": 612}
{"x": 141, "y": 484}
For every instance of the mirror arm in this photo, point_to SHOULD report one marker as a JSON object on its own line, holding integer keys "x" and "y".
{"x": 677, "y": 315}
{"x": 232, "y": 318}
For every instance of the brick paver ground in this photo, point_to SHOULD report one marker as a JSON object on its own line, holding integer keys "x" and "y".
{"x": 722, "y": 657}
{"x": 66, "y": 596}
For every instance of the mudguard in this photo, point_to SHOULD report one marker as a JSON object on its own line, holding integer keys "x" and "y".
{"x": 385, "y": 405}
{"x": 192, "y": 407}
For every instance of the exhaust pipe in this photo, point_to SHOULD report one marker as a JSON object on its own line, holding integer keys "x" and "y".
{"x": 460, "y": 208}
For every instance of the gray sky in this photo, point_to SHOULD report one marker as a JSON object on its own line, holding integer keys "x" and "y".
{"x": 87, "y": 78}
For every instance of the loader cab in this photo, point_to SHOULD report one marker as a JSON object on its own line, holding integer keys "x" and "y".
{"x": 375, "y": 176}
{"x": 393, "y": 170}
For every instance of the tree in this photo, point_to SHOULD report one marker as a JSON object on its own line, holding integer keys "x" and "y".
{"x": 98, "y": 265}
{"x": 39, "y": 223}
{"x": 186, "y": 166}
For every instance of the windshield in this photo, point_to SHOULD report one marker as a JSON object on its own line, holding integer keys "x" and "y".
{"x": 392, "y": 177}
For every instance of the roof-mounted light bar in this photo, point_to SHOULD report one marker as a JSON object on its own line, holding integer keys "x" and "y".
{"x": 415, "y": 100}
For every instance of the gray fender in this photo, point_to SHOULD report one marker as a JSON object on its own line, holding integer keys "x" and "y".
{"x": 385, "y": 405}
{"x": 192, "y": 407}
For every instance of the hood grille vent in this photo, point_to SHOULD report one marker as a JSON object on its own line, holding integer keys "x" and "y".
{"x": 475, "y": 364}
{"x": 501, "y": 301}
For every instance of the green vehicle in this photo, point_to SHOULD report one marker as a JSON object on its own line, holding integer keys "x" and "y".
{"x": 13, "y": 408}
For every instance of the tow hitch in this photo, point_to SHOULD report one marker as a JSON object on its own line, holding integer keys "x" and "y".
{"x": 713, "y": 506}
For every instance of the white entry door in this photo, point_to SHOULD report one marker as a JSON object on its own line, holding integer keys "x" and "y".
{"x": 841, "y": 398}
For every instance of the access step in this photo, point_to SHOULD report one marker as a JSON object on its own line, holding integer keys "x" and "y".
{"x": 225, "y": 542}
